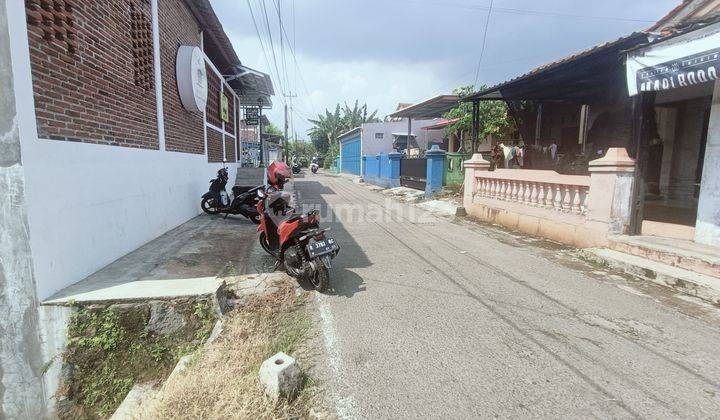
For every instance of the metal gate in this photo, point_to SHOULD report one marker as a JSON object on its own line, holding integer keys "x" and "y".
{"x": 350, "y": 156}
{"x": 413, "y": 173}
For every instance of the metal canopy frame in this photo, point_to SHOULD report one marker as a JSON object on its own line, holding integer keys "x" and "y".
{"x": 432, "y": 108}
{"x": 254, "y": 88}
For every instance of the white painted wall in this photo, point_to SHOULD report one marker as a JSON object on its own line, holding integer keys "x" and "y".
{"x": 707, "y": 228}
{"x": 88, "y": 204}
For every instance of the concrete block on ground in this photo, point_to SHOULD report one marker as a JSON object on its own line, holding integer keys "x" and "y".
{"x": 280, "y": 376}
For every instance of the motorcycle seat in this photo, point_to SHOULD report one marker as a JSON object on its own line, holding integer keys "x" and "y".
{"x": 242, "y": 189}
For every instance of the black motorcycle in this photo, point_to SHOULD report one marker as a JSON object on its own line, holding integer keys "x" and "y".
{"x": 296, "y": 168}
{"x": 244, "y": 201}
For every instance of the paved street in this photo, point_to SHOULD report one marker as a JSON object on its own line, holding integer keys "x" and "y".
{"x": 433, "y": 317}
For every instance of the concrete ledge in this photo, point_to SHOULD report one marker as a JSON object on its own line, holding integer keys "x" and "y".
{"x": 684, "y": 281}
{"x": 689, "y": 255}
{"x": 569, "y": 229}
{"x": 144, "y": 290}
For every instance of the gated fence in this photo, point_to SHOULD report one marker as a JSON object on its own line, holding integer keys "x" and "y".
{"x": 413, "y": 173}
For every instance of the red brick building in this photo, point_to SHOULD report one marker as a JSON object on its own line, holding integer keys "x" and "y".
{"x": 120, "y": 128}
{"x": 119, "y": 111}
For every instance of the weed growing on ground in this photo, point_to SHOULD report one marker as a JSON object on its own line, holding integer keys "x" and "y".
{"x": 108, "y": 353}
{"x": 222, "y": 382}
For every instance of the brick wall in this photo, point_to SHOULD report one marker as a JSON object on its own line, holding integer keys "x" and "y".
{"x": 89, "y": 80}
{"x": 183, "y": 129}
{"x": 215, "y": 145}
{"x": 212, "y": 109}
{"x": 230, "y": 149}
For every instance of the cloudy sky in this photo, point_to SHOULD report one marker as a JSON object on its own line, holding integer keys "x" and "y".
{"x": 387, "y": 51}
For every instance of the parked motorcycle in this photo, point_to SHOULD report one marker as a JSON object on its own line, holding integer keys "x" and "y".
{"x": 244, "y": 201}
{"x": 296, "y": 241}
{"x": 296, "y": 168}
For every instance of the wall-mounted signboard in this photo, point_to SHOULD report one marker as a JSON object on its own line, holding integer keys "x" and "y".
{"x": 224, "y": 108}
{"x": 191, "y": 78}
{"x": 252, "y": 116}
{"x": 686, "y": 60}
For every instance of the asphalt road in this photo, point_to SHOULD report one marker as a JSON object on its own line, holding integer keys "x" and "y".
{"x": 438, "y": 318}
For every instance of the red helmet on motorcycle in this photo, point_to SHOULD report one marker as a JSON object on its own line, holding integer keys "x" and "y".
{"x": 277, "y": 174}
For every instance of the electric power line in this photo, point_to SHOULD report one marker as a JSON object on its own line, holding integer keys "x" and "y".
{"x": 482, "y": 50}
{"x": 509, "y": 10}
{"x": 260, "y": 40}
{"x": 272, "y": 47}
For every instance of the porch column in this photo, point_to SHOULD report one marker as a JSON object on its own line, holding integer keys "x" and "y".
{"x": 434, "y": 170}
{"x": 475, "y": 125}
{"x": 707, "y": 228}
{"x": 472, "y": 166}
{"x": 407, "y": 147}
{"x": 611, "y": 186}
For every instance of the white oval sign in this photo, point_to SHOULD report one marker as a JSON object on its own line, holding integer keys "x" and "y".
{"x": 191, "y": 78}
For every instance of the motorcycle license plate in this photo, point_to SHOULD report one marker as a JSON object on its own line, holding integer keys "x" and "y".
{"x": 326, "y": 246}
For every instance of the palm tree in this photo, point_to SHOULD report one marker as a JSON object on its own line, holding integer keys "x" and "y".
{"x": 326, "y": 129}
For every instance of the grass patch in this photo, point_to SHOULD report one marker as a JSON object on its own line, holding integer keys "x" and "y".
{"x": 110, "y": 349}
{"x": 222, "y": 381}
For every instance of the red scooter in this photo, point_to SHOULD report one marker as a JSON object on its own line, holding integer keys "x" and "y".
{"x": 296, "y": 241}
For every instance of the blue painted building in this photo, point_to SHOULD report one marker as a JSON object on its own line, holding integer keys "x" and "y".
{"x": 351, "y": 152}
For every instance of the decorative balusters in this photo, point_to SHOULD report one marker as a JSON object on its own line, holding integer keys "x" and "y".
{"x": 520, "y": 192}
{"x": 557, "y": 200}
{"x": 528, "y": 193}
{"x": 566, "y": 197}
{"x": 576, "y": 200}
{"x": 549, "y": 196}
{"x": 534, "y": 194}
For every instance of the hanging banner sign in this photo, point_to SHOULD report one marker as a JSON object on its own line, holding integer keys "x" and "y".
{"x": 252, "y": 116}
{"x": 687, "y": 60}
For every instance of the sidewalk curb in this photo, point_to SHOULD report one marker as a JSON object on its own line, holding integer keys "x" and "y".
{"x": 683, "y": 281}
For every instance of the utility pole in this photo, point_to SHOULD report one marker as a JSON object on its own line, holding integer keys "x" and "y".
{"x": 285, "y": 140}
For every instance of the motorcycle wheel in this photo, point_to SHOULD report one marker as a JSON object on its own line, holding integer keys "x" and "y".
{"x": 264, "y": 244}
{"x": 208, "y": 206}
{"x": 320, "y": 279}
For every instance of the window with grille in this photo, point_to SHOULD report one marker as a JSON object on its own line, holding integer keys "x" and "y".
{"x": 379, "y": 136}
{"x": 57, "y": 21}
{"x": 142, "y": 47}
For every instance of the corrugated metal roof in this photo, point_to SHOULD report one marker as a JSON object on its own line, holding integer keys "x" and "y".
{"x": 349, "y": 133}
{"x": 638, "y": 37}
{"x": 225, "y": 57}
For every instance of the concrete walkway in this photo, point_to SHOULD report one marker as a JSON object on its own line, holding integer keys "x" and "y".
{"x": 434, "y": 317}
{"x": 183, "y": 262}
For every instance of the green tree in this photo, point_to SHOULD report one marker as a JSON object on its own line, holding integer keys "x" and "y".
{"x": 272, "y": 129}
{"x": 494, "y": 117}
{"x": 301, "y": 151}
{"x": 330, "y": 125}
